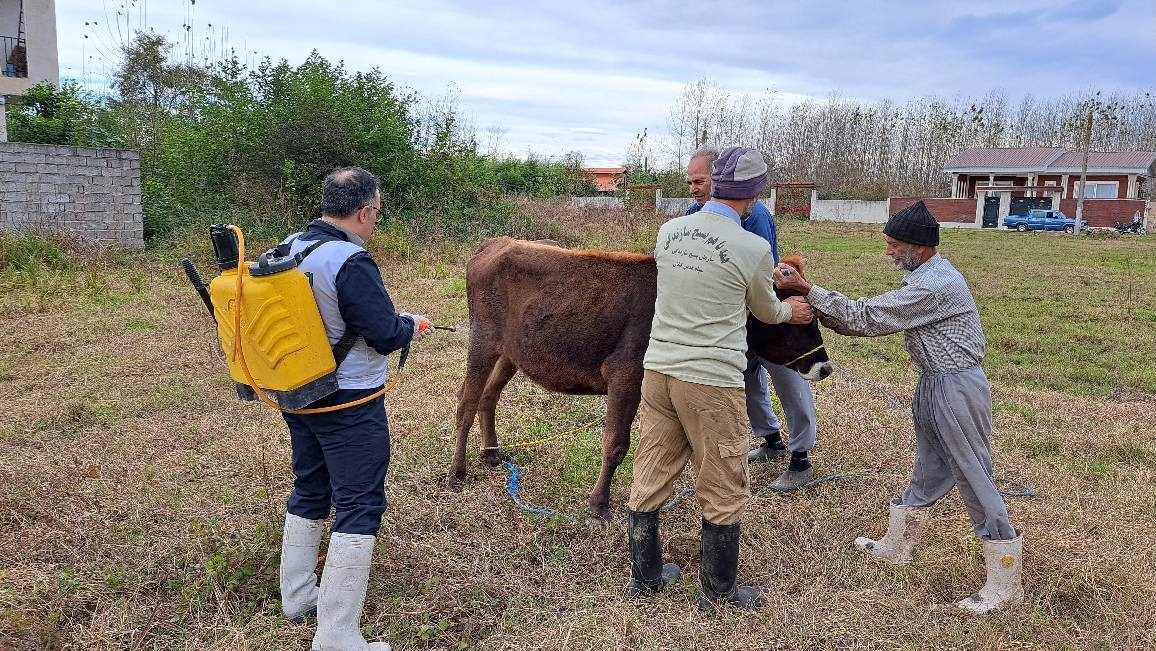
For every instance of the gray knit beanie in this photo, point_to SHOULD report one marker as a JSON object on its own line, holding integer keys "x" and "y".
{"x": 738, "y": 173}
{"x": 914, "y": 224}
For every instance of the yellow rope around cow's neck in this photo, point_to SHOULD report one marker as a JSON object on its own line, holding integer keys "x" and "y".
{"x": 813, "y": 350}
{"x": 553, "y": 437}
{"x": 239, "y": 351}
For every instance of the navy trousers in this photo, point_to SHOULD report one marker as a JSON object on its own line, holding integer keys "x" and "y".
{"x": 339, "y": 460}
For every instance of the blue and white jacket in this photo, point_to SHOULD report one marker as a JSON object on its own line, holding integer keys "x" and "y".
{"x": 351, "y": 295}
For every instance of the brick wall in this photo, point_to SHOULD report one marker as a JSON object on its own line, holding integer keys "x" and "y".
{"x": 1102, "y": 213}
{"x": 1121, "y": 181}
{"x": 959, "y": 211}
{"x": 92, "y": 194}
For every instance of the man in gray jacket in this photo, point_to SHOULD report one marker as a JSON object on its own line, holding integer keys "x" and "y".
{"x": 936, "y": 312}
{"x": 710, "y": 271}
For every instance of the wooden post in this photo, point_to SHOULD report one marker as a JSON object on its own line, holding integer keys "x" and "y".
{"x": 1083, "y": 177}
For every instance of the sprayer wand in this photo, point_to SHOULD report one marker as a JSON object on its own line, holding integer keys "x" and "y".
{"x": 199, "y": 285}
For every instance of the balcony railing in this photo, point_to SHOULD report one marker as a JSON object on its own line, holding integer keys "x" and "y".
{"x": 15, "y": 62}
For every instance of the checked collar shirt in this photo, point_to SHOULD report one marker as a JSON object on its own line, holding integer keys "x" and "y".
{"x": 933, "y": 308}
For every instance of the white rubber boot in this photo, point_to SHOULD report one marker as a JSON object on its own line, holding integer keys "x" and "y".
{"x": 903, "y": 527}
{"x": 299, "y": 546}
{"x": 342, "y": 596}
{"x": 1004, "y": 585}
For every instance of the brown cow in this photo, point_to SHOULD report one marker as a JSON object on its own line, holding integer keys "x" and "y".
{"x": 578, "y": 322}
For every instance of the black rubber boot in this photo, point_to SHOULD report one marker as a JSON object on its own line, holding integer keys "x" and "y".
{"x": 720, "y": 564}
{"x": 647, "y": 573}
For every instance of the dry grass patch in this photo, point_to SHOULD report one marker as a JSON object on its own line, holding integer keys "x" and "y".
{"x": 142, "y": 504}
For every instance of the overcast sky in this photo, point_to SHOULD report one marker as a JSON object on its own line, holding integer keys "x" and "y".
{"x": 548, "y": 77}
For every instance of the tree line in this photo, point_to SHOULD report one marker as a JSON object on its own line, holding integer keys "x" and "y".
{"x": 858, "y": 149}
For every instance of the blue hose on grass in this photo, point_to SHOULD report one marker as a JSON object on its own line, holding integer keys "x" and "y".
{"x": 514, "y": 486}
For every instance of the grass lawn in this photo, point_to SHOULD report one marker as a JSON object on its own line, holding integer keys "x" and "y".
{"x": 141, "y": 503}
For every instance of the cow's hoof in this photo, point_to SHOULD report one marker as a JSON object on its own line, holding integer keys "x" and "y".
{"x": 454, "y": 482}
{"x": 491, "y": 459}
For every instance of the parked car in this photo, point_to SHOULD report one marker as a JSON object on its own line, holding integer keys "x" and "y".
{"x": 1040, "y": 219}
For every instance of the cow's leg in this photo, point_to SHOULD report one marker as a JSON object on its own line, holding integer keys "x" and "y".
{"x": 624, "y": 391}
{"x": 479, "y": 364}
{"x": 503, "y": 371}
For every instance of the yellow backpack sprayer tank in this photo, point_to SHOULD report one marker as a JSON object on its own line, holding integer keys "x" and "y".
{"x": 270, "y": 328}
{"x": 283, "y": 349}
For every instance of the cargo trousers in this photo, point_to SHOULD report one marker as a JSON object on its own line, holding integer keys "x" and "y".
{"x": 683, "y": 422}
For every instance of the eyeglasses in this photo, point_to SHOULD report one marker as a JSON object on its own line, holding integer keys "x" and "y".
{"x": 380, "y": 213}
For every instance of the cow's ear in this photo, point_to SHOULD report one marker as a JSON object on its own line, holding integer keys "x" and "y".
{"x": 798, "y": 262}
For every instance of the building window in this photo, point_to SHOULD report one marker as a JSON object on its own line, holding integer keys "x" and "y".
{"x": 1099, "y": 190}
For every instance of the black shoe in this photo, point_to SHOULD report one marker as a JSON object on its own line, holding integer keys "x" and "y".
{"x": 771, "y": 449}
{"x": 648, "y": 575}
{"x": 720, "y": 564}
{"x": 306, "y": 617}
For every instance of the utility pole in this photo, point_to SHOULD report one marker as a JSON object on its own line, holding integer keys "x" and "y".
{"x": 1083, "y": 177}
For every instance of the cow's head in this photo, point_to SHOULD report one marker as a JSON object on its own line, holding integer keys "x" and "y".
{"x": 799, "y": 347}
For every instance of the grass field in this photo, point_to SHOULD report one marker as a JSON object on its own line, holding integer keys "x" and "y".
{"x": 141, "y": 504}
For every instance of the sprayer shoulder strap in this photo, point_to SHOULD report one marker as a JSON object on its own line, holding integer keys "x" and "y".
{"x": 309, "y": 249}
{"x": 343, "y": 346}
{"x": 345, "y": 343}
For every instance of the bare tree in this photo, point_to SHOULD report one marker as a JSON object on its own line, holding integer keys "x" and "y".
{"x": 853, "y": 148}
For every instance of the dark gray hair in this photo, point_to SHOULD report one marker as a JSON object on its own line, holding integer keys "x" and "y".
{"x": 346, "y": 190}
{"x": 709, "y": 152}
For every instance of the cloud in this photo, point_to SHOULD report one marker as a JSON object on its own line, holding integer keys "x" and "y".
{"x": 590, "y": 75}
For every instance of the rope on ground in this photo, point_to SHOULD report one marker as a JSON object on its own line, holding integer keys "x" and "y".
{"x": 536, "y": 442}
{"x": 1019, "y": 489}
{"x": 1024, "y": 490}
{"x": 673, "y": 502}
{"x": 765, "y": 490}
{"x": 836, "y": 476}
{"x": 895, "y": 402}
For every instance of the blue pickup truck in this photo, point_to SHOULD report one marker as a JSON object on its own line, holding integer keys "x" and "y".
{"x": 1040, "y": 219}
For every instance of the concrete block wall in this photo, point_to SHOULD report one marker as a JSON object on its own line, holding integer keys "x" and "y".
{"x": 849, "y": 210}
{"x": 597, "y": 203}
{"x": 675, "y": 206}
{"x": 89, "y": 193}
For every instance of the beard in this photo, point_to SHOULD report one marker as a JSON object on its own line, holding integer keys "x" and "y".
{"x": 907, "y": 260}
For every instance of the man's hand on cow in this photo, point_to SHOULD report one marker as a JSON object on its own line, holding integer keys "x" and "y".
{"x": 801, "y": 311}
{"x": 787, "y": 278}
{"x": 421, "y": 325}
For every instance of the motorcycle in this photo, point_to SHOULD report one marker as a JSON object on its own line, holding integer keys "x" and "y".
{"x": 1135, "y": 226}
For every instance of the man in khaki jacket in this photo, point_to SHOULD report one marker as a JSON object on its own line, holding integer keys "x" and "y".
{"x": 710, "y": 272}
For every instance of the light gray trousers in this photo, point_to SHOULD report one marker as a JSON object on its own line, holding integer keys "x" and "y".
{"x": 953, "y": 447}
{"x": 794, "y": 396}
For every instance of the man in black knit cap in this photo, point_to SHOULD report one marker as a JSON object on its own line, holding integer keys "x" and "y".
{"x": 936, "y": 312}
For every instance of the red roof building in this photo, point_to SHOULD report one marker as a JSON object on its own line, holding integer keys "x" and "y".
{"x": 605, "y": 179}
